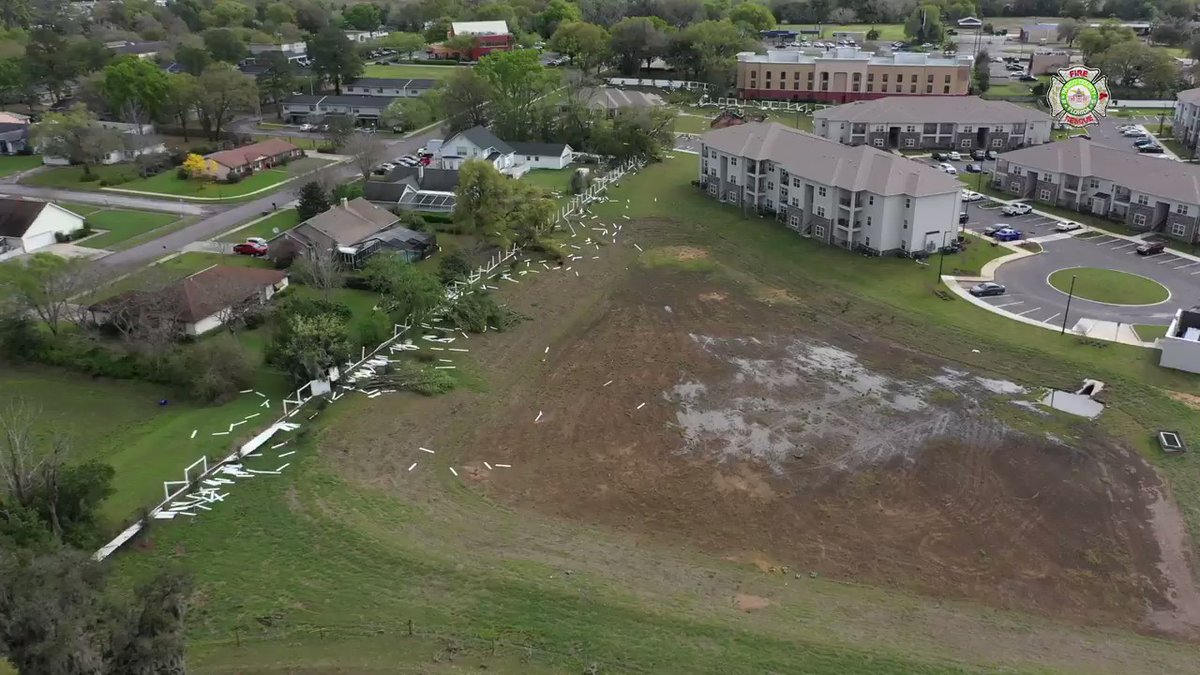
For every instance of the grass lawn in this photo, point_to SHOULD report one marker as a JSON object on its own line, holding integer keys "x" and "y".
{"x": 1007, "y": 87}
{"x": 1180, "y": 150}
{"x": 284, "y": 220}
{"x": 312, "y": 571}
{"x": 10, "y": 164}
{"x": 123, "y": 225}
{"x": 1111, "y": 286}
{"x": 552, "y": 180}
{"x": 84, "y": 210}
{"x": 692, "y": 123}
{"x": 121, "y": 423}
{"x": 1149, "y": 333}
{"x": 167, "y": 183}
{"x": 68, "y": 177}
{"x": 410, "y": 70}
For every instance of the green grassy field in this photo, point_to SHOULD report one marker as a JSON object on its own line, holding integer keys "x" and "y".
{"x": 409, "y": 70}
{"x": 552, "y": 180}
{"x": 121, "y": 423}
{"x": 309, "y": 569}
{"x": 1148, "y": 333}
{"x": 10, "y": 164}
{"x": 1111, "y": 286}
{"x": 167, "y": 184}
{"x": 123, "y": 225}
{"x": 284, "y": 220}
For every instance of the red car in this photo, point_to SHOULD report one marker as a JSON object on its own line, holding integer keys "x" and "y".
{"x": 250, "y": 248}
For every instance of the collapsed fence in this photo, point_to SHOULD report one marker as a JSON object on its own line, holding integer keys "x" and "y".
{"x": 202, "y": 470}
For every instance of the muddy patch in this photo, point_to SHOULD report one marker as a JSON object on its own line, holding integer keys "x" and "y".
{"x": 749, "y": 603}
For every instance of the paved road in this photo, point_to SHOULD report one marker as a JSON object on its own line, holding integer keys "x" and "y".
{"x": 1032, "y": 297}
{"x": 226, "y": 219}
{"x": 106, "y": 199}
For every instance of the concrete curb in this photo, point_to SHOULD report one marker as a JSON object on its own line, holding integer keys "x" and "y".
{"x": 219, "y": 200}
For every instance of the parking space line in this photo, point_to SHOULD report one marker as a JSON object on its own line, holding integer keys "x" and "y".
{"x": 1187, "y": 265}
{"x": 1102, "y": 240}
{"x": 1168, "y": 260}
{"x": 1126, "y": 244}
{"x": 1028, "y": 311}
{"x": 1195, "y": 273}
{"x": 1056, "y": 315}
{"x": 1009, "y": 304}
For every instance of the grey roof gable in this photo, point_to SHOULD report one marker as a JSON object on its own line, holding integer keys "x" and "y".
{"x": 483, "y": 138}
{"x": 830, "y": 163}
{"x": 541, "y": 149}
{"x": 931, "y": 109}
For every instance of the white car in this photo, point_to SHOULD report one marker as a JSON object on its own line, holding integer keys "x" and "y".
{"x": 307, "y": 127}
{"x": 953, "y": 156}
{"x": 1067, "y": 226}
{"x": 971, "y": 196}
{"x": 948, "y": 169}
{"x": 1016, "y": 209}
{"x": 256, "y": 240}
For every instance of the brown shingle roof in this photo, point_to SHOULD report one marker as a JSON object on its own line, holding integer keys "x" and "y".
{"x": 932, "y": 109}
{"x": 1082, "y": 158}
{"x": 16, "y": 215}
{"x": 831, "y": 163}
{"x": 350, "y": 223}
{"x": 204, "y": 293}
{"x": 248, "y": 153}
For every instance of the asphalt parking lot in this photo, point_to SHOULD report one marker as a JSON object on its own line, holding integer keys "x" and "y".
{"x": 1029, "y": 295}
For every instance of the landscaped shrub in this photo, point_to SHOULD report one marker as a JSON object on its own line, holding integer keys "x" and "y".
{"x": 214, "y": 369}
{"x": 453, "y": 266}
{"x": 234, "y": 178}
{"x": 370, "y": 331}
{"x": 88, "y": 177}
{"x": 182, "y": 173}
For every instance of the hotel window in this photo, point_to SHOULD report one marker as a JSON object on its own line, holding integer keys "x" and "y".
{"x": 1139, "y": 219}
{"x": 946, "y": 89}
{"x": 854, "y": 87}
{"x": 1181, "y": 209}
{"x": 782, "y": 84}
{"x": 966, "y": 143}
{"x": 794, "y": 220}
{"x": 929, "y": 89}
{"x": 870, "y": 77}
{"x": 914, "y": 77}
{"x": 821, "y": 211}
{"x": 907, "y": 203}
{"x": 1014, "y": 187}
{"x": 819, "y": 231}
{"x": 1143, "y": 200}
{"x": 908, "y": 143}
{"x": 732, "y": 180}
{"x": 770, "y": 185}
{"x": 906, "y": 224}
{"x": 795, "y": 201}
{"x": 1044, "y": 195}
{"x": 796, "y": 75}
{"x": 997, "y": 142}
{"x": 733, "y": 161}
{"x": 870, "y": 87}
{"x": 795, "y": 85}
{"x": 910, "y": 128}
{"x": 871, "y": 200}
{"x": 968, "y": 129}
{"x": 858, "y": 77}
{"x": 929, "y": 79}
{"x": 912, "y": 89}
{"x": 868, "y": 221}
{"x": 821, "y": 191}
{"x": 795, "y": 182}
{"x": 878, "y": 142}
{"x": 768, "y": 76}
{"x": 947, "y": 79}
{"x": 885, "y": 76}
{"x": 1093, "y": 183}
{"x": 1178, "y": 229}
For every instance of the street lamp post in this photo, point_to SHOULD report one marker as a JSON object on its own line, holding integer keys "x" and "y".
{"x": 942, "y": 255}
{"x": 1067, "y": 312}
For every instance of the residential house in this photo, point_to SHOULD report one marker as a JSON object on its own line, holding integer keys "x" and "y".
{"x": 198, "y": 303}
{"x": 294, "y": 51}
{"x": 14, "y": 133}
{"x": 142, "y": 50}
{"x": 1180, "y": 347}
{"x": 920, "y": 123}
{"x": 414, "y": 188}
{"x": 480, "y": 143}
{"x": 856, "y": 197}
{"x": 1186, "y": 125}
{"x": 351, "y": 231}
{"x": 393, "y": 87}
{"x": 1039, "y": 33}
{"x": 611, "y": 100}
{"x": 490, "y": 36}
{"x": 136, "y": 140}
{"x": 247, "y": 159}
{"x": 365, "y": 110}
{"x": 846, "y": 74}
{"x": 27, "y": 225}
{"x": 970, "y": 23}
{"x": 542, "y": 155}
{"x": 1144, "y": 192}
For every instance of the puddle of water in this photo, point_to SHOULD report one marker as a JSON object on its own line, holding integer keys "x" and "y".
{"x": 1075, "y": 404}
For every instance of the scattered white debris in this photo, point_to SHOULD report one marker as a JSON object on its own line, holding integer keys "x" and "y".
{"x": 445, "y": 367}
{"x": 505, "y": 466}
{"x": 194, "y": 433}
{"x": 287, "y": 454}
{"x": 489, "y": 466}
{"x": 458, "y": 349}
{"x": 220, "y": 433}
{"x": 412, "y": 466}
{"x": 426, "y": 450}
{"x": 245, "y": 391}
{"x": 260, "y": 394}
{"x": 279, "y": 445}
{"x": 638, "y": 247}
{"x": 538, "y": 418}
{"x": 284, "y": 467}
{"x": 608, "y": 383}
{"x": 252, "y": 416}
{"x": 164, "y": 515}
{"x": 453, "y": 471}
{"x": 641, "y": 405}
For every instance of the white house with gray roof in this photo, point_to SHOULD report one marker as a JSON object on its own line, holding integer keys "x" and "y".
{"x": 963, "y": 123}
{"x": 856, "y": 197}
{"x": 1141, "y": 191}
{"x": 479, "y": 142}
{"x": 394, "y": 87}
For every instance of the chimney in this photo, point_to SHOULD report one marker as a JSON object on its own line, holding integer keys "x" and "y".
{"x": 344, "y": 202}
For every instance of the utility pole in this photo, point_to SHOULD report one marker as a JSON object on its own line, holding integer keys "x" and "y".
{"x": 942, "y": 256}
{"x": 1067, "y": 312}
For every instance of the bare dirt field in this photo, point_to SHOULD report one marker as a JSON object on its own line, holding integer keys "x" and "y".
{"x": 687, "y": 410}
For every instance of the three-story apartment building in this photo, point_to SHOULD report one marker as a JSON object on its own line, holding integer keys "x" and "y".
{"x": 1143, "y": 192}
{"x": 850, "y": 74}
{"x": 1186, "y": 126}
{"x": 962, "y": 123}
{"x": 854, "y": 197}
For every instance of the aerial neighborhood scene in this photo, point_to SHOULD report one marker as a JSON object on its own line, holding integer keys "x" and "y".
{"x": 599, "y": 336}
